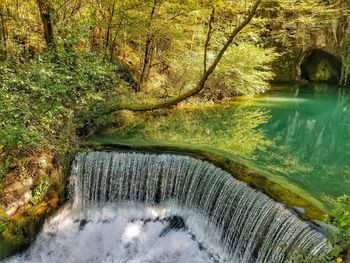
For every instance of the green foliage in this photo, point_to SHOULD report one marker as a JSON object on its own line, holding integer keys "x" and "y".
{"x": 291, "y": 27}
{"x": 4, "y": 167}
{"x": 245, "y": 70}
{"x": 4, "y": 221}
{"x": 294, "y": 22}
{"x": 339, "y": 238}
{"x": 304, "y": 257}
{"x": 43, "y": 98}
{"x": 162, "y": 42}
{"x": 41, "y": 189}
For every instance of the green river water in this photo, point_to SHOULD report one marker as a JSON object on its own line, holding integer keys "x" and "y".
{"x": 298, "y": 136}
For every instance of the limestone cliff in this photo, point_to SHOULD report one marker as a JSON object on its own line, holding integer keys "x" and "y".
{"x": 319, "y": 56}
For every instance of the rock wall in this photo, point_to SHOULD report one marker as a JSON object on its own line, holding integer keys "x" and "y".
{"x": 331, "y": 39}
{"x": 328, "y": 41}
{"x": 320, "y": 66}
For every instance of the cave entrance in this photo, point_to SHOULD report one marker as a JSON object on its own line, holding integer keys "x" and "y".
{"x": 320, "y": 66}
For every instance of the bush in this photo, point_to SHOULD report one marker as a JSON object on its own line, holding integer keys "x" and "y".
{"x": 43, "y": 100}
{"x": 245, "y": 70}
{"x": 340, "y": 238}
{"x": 41, "y": 190}
{"x": 46, "y": 99}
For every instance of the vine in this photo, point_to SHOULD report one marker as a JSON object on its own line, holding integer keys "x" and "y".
{"x": 345, "y": 53}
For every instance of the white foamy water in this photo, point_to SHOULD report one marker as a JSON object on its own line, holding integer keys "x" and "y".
{"x": 106, "y": 236}
{"x": 234, "y": 222}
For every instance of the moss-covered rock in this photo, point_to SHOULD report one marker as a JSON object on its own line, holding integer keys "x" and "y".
{"x": 285, "y": 68}
{"x": 19, "y": 227}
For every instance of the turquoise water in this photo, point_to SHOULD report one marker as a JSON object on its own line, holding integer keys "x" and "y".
{"x": 310, "y": 126}
{"x": 298, "y": 134}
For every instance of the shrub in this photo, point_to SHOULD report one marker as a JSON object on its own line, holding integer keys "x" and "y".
{"x": 45, "y": 99}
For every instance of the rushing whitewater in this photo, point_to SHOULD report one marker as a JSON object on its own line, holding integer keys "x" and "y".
{"x": 103, "y": 236}
{"x": 232, "y": 221}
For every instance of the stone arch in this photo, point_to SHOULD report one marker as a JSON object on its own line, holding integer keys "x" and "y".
{"x": 320, "y": 66}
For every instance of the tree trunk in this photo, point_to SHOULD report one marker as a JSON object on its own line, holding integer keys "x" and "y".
{"x": 109, "y": 28}
{"x": 111, "y": 107}
{"x": 45, "y": 14}
{"x": 3, "y": 33}
{"x": 2, "y": 26}
{"x": 114, "y": 42}
{"x": 207, "y": 42}
{"x": 148, "y": 46}
{"x": 146, "y": 61}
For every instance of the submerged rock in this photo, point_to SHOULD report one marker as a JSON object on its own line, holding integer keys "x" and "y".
{"x": 175, "y": 223}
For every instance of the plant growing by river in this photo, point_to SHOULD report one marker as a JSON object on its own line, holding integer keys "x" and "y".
{"x": 3, "y": 220}
{"x": 339, "y": 237}
{"x": 41, "y": 189}
{"x": 43, "y": 99}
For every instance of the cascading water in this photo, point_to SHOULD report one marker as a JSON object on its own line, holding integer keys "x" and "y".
{"x": 234, "y": 222}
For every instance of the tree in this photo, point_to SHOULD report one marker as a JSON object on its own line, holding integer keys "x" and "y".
{"x": 170, "y": 49}
{"x": 46, "y": 18}
{"x": 148, "y": 47}
{"x": 142, "y": 33}
{"x": 205, "y": 76}
{"x": 3, "y": 34}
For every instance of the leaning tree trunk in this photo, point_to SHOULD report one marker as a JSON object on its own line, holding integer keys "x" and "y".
{"x": 45, "y": 14}
{"x": 111, "y": 107}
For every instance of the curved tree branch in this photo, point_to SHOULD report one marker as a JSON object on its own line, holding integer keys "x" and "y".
{"x": 200, "y": 85}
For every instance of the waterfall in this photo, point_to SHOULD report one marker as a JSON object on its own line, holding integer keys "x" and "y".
{"x": 233, "y": 221}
